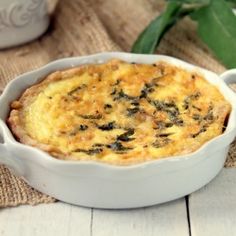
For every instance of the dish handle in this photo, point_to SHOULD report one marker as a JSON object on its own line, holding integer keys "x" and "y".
{"x": 6, "y": 159}
{"x": 229, "y": 77}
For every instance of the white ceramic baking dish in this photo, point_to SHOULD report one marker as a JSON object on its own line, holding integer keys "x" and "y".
{"x": 99, "y": 185}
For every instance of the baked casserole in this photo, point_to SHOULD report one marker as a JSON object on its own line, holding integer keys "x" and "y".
{"x": 119, "y": 113}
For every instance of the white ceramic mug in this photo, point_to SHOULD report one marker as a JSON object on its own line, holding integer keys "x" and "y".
{"x": 22, "y": 21}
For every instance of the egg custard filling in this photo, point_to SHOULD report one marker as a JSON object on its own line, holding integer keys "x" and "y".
{"x": 119, "y": 113}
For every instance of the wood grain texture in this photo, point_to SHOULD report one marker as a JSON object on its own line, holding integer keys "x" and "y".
{"x": 62, "y": 219}
{"x": 50, "y": 219}
{"x": 213, "y": 208}
{"x": 166, "y": 219}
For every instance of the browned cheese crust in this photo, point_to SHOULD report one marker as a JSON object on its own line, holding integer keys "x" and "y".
{"x": 119, "y": 113}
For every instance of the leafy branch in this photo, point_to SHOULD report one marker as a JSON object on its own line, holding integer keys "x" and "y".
{"x": 216, "y": 27}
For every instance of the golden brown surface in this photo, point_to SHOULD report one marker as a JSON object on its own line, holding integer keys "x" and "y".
{"x": 119, "y": 113}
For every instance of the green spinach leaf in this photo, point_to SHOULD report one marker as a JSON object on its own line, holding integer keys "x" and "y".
{"x": 217, "y": 28}
{"x": 151, "y": 36}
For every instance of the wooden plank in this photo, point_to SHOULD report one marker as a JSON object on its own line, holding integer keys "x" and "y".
{"x": 49, "y": 219}
{"x": 213, "y": 208}
{"x": 166, "y": 219}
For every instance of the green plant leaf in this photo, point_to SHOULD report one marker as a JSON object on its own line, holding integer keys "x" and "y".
{"x": 232, "y": 3}
{"x": 217, "y": 28}
{"x": 151, "y": 36}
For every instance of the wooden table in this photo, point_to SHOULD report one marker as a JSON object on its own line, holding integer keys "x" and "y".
{"x": 210, "y": 211}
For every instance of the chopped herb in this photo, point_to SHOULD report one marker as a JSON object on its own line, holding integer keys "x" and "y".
{"x": 164, "y": 135}
{"x": 158, "y": 105}
{"x": 149, "y": 100}
{"x": 77, "y": 129}
{"x": 108, "y": 126}
{"x": 209, "y": 117}
{"x": 145, "y": 91}
{"x": 197, "y": 117}
{"x": 132, "y": 111}
{"x": 210, "y": 108}
{"x": 143, "y": 94}
{"x": 186, "y": 104}
{"x": 135, "y": 103}
{"x": 195, "y": 96}
{"x": 171, "y": 105}
{"x": 98, "y": 145}
{"x": 117, "y": 146}
{"x": 107, "y": 106}
{"x": 178, "y": 122}
{"x": 113, "y": 92}
{"x": 148, "y": 88}
{"x": 122, "y": 95}
{"x": 171, "y": 109}
{"x": 165, "y": 106}
{"x": 161, "y": 142}
{"x": 91, "y": 117}
{"x": 167, "y": 125}
{"x": 188, "y": 100}
{"x": 83, "y": 127}
{"x": 162, "y": 125}
{"x": 117, "y": 82}
{"x": 92, "y": 151}
{"x": 197, "y": 108}
{"x": 203, "y": 129}
{"x": 173, "y": 112}
{"x": 125, "y": 136}
{"x": 75, "y": 90}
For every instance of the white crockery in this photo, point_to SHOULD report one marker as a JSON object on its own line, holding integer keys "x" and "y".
{"x": 22, "y": 21}
{"x": 93, "y": 184}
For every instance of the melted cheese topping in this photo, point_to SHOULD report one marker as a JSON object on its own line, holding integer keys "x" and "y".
{"x": 120, "y": 113}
